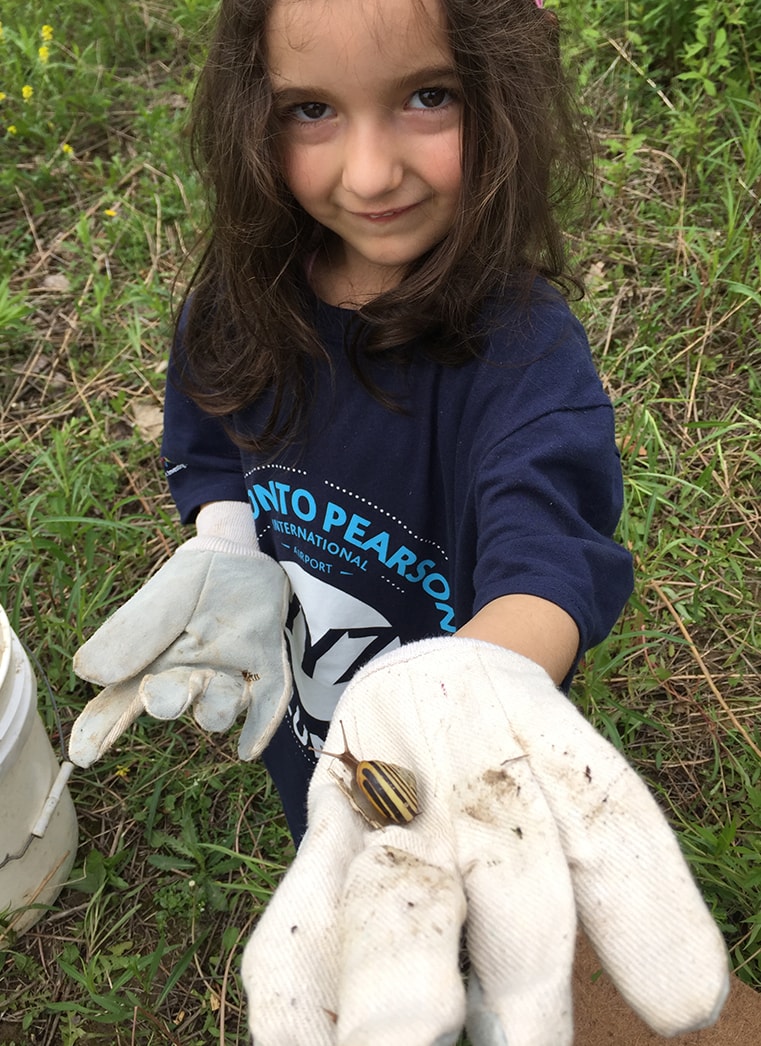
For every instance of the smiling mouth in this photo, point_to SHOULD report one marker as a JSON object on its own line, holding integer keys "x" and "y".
{"x": 376, "y": 216}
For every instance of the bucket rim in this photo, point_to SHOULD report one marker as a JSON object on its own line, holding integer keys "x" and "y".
{"x": 5, "y": 644}
{"x": 18, "y": 696}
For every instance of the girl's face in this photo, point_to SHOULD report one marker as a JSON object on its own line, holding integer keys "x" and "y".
{"x": 369, "y": 115}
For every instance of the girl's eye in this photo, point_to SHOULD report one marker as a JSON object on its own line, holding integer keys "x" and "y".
{"x": 310, "y": 112}
{"x": 431, "y": 98}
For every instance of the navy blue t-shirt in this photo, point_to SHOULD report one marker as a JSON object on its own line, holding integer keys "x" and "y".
{"x": 497, "y": 476}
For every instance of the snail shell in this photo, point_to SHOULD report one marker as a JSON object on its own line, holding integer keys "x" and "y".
{"x": 383, "y": 793}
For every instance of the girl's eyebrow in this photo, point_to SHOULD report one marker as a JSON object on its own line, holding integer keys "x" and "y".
{"x": 297, "y": 93}
{"x": 428, "y": 76}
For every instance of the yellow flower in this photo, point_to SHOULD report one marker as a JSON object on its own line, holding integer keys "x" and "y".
{"x": 12, "y": 129}
{"x": 110, "y": 212}
{"x": 67, "y": 149}
{"x": 3, "y": 96}
{"x": 27, "y": 92}
{"x": 47, "y": 33}
{"x": 43, "y": 53}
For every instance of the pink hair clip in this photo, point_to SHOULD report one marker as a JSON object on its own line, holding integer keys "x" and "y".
{"x": 539, "y": 3}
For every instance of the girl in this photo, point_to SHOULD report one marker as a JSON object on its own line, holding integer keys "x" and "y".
{"x": 388, "y": 428}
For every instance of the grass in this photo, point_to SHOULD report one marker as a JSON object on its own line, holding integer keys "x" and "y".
{"x": 180, "y": 844}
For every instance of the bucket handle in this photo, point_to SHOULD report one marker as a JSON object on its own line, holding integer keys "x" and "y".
{"x": 51, "y": 802}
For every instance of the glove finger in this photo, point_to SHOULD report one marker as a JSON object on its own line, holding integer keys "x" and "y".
{"x": 102, "y": 721}
{"x": 635, "y": 894}
{"x": 267, "y": 700}
{"x": 290, "y": 964}
{"x": 146, "y": 624}
{"x": 400, "y": 921}
{"x": 220, "y": 702}
{"x": 521, "y": 917}
{"x": 169, "y": 694}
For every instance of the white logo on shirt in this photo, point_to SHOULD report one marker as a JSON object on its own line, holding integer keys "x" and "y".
{"x": 330, "y": 634}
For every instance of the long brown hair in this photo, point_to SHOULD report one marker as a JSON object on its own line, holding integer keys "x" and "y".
{"x": 524, "y": 158}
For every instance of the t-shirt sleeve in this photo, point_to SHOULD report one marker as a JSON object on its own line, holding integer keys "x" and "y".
{"x": 548, "y": 488}
{"x": 201, "y": 462}
{"x": 558, "y": 482}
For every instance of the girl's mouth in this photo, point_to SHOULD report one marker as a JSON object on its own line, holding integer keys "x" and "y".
{"x": 384, "y": 216}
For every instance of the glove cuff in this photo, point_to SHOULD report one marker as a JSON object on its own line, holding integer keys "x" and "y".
{"x": 462, "y": 647}
{"x": 226, "y": 526}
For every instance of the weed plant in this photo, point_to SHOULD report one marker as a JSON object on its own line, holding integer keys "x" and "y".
{"x": 180, "y": 844}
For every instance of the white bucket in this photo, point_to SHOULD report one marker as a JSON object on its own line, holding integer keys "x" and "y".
{"x": 38, "y": 823}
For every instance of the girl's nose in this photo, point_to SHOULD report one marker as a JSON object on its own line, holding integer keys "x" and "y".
{"x": 373, "y": 165}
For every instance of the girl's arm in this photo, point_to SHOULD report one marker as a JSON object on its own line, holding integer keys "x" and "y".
{"x": 531, "y": 626}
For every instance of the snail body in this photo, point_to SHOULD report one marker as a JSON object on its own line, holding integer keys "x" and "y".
{"x": 383, "y": 793}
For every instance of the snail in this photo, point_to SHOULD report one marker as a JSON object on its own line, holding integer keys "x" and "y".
{"x": 382, "y": 793}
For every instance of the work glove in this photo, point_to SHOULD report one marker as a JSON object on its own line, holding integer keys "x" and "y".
{"x": 205, "y": 633}
{"x": 528, "y": 818}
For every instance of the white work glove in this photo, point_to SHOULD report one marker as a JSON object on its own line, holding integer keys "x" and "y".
{"x": 528, "y": 818}
{"x": 206, "y": 632}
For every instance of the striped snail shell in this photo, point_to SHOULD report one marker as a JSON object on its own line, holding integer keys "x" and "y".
{"x": 383, "y": 793}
